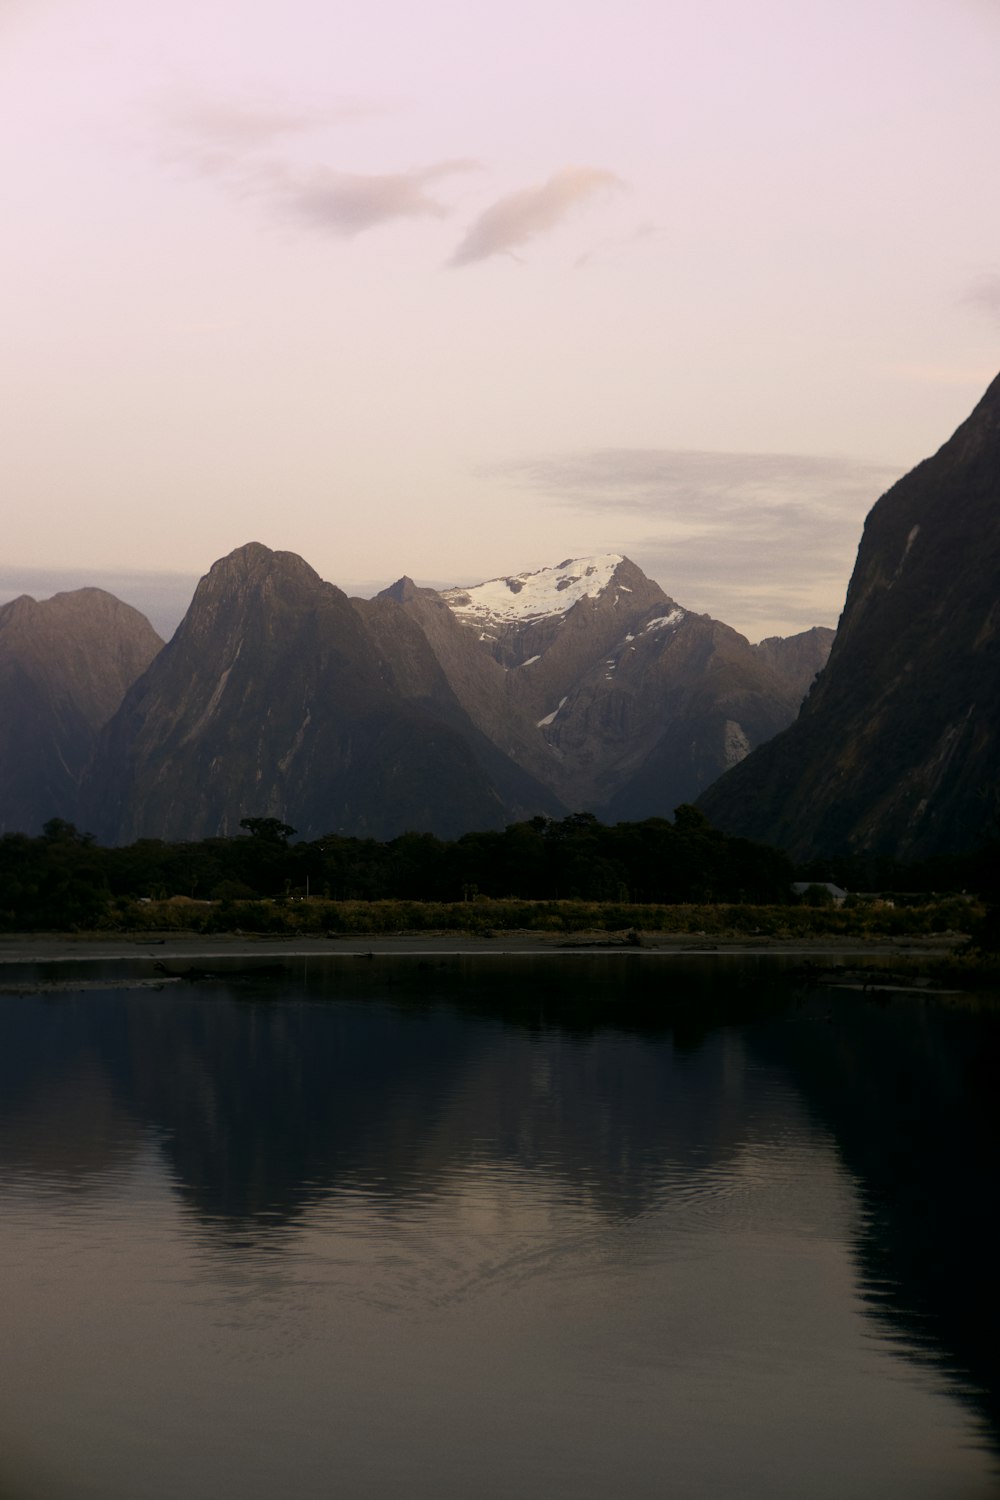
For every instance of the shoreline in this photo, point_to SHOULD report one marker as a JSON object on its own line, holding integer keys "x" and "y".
{"x": 26, "y": 948}
{"x": 53, "y": 963}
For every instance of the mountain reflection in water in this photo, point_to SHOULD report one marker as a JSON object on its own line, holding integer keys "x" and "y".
{"x": 585, "y": 1227}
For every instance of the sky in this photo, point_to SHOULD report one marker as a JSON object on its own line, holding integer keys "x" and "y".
{"x": 459, "y": 289}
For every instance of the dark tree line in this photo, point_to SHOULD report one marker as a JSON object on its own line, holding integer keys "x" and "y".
{"x": 64, "y": 879}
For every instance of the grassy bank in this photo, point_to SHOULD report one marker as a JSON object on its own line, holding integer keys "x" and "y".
{"x": 483, "y": 917}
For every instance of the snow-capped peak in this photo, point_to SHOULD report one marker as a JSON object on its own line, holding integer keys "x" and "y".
{"x": 534, "y": 596}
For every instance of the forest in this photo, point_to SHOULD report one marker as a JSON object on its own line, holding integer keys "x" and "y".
{"x": 63, "y": 880}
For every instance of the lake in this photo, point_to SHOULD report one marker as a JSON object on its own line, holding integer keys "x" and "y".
{"x": 609, "y": 1226}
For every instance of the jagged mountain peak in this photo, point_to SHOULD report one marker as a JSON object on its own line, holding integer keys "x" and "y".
{"x": 253, "y": 562}
{"x": 403, "y": 589}
{"x": 249, "y": 587}
{"x": 545, "y": 593}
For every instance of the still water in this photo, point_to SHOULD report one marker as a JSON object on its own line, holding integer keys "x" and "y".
{"x": 612, "y": 1227}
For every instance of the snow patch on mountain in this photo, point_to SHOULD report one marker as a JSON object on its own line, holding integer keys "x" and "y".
{"x": 549, "y": 718}
{"x": 533, "y": 596}
{"x": 662, "y": 621}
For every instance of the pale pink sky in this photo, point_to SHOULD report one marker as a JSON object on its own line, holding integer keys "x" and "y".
{"x": 457, "y": 289}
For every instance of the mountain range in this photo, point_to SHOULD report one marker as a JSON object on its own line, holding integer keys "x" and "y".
{"x": 578, "y": 687}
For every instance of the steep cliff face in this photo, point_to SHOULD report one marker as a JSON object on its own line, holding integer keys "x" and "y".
{"x": 65, "y": 664}
{"x": 473, "y": 704}
{"x": 896, "y": 748}
{"x": 277, "y": 697}
{"x": 490, "y": 694}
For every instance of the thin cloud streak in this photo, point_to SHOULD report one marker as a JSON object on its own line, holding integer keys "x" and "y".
{"x": 349, "y": 202}
{"x": 517, "y": 217}
{"x": 671, "y": 478}
{"x": 750, "y": 538}
{"x": 323, "y": 198}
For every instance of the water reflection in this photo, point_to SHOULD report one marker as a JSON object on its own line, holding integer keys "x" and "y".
{"x": 263, "y": 1105}
{"x": 323, "y": 1202}
{"x": 908, "y": 1090}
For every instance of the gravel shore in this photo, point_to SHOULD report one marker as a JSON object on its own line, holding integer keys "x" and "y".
{"x": 20, "y": 948}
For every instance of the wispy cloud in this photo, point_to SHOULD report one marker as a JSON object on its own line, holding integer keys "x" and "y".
{"x": 984, "y": 294}
{"x": 682, "y": 482}
{"x": 348, "y": 202}
{"x": 764, "y": 539}
{"x": 518, "y": 217}
{"x": 253, "y": 151}
{"x": 265, "y": 150}
{"x": 331, "y": 201}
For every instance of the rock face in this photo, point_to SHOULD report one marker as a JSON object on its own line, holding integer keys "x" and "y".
{"x": 797, "y": 659}
{"x": 279, "y": 697}
{"x": 611, "y": 693}
{"x": 486, "y": 690}
{"x": 896, "y": 748}
{"x": 65, "y": 664}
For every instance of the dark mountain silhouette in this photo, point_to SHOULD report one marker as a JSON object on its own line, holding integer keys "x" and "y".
{"x": 896, "y": 748}
{"x": 279, "y": 697}
{"x": 65, "y": 664}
